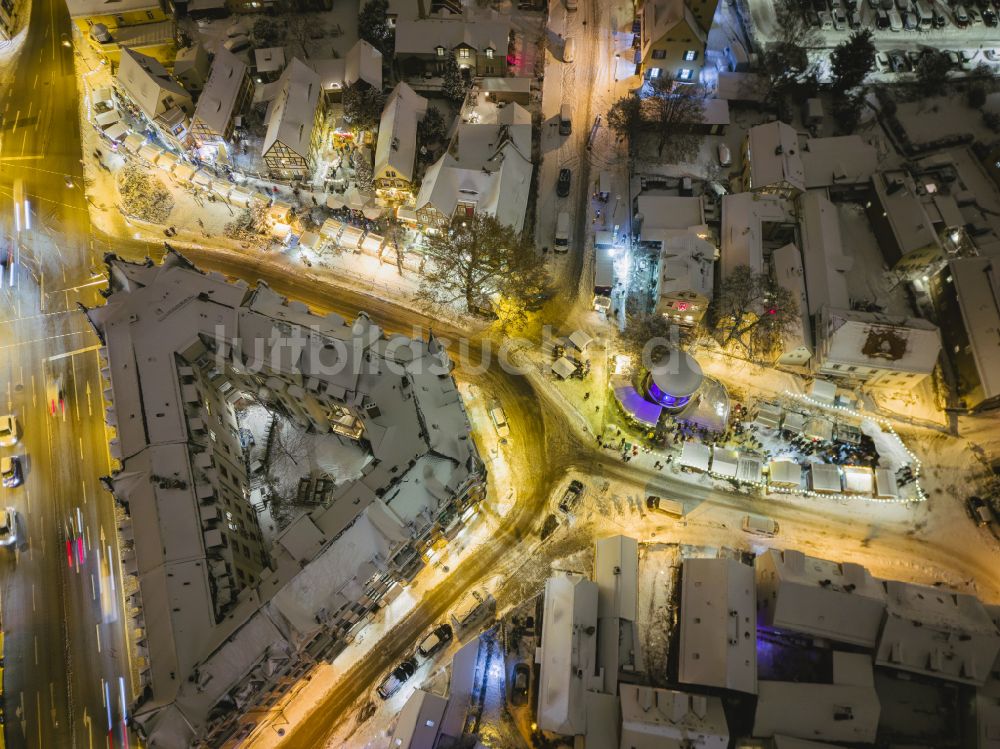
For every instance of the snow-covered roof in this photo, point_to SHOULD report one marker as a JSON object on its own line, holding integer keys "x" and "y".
{"x": 695, "y": 455}
{"x": 480, "y": 32}
{"x": 977, "y": 288}
{"x": 826, "y": 265}
{"x": 687, "y": 262}
{"x": 363, "y": 63}
{"x": 904, "y": 210}
{"x": 774, "y": 159}
{"x": 148, "y": 84}
{"x": 616, "y": 572}
{"x": 785, "y": 473}
{"x": 876, "y": 340}
{"x": 269, "y": 59}
{"x": 742, "y": 237}
{"x": 513, "y": 84}
{"x": 659, "y": 17}
{"x": 155, "y": 326}
{"x": 419, "y": 721}
{"x": 292, "y": 115}
{"x": 846, "y": 710}
{"x": 788, "y": 273}
{"x": 664, "y": 211}
{"x": 396, "y": 148}
{"x": 938, "y": 633}
{"x": 838, "y": 601}
{"x": 569, "y": 653}
{"x": 218, "y": 98}
{"x": 718, "y": 645}
{"x": 662, "y": 718}
{"x": 858, "y": 480}
{"x": 84, "y": 8}
{"x": 840, "y": 160}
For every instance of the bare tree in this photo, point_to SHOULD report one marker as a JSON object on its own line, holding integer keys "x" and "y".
{"x": 674, "y": 112}
{"x": 752, "y": 312}
{"x": 625, "y": 120}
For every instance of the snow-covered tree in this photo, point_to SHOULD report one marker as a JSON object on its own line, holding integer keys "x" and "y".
{"x": 363, "y": 172}
{"x": 249, "y": 225}
{"x": 143, "y": 196}
{"x": 363, "y": 105}
{"x": 454, "y": 86}
{"x": 751, "y": 313}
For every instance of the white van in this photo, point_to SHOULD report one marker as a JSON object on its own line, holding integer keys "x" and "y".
{"x": 565, "y": 119}
{"x": 569, "y": 48}
{"x": 470, "y": 608}
{"x": 925, "y": 13}
{"x": 760, "y": 525}
{"x": 670, "y": 507}
{"x": 562, "y": 232}
{"x": 725, "y": 155}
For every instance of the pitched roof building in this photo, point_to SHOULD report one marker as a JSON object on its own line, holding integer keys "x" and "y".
{"x": 226, "y": 96}
{"x": 665, "y": 719}
{"x": 294, "y": 121}
{"x": 787, "y": 271}
{"x": 673, "y": 35}
{"x": 477, "y": 42}
{"x": 771, "y": 160}
{"x": 396, "y": 148}
{"x": 899, "y": 218}
{"x": 157, "y": 96}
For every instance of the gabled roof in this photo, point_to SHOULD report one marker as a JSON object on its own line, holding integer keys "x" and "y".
{"x": 215, "y": 105}
{"x": 872, "y": 339}
{"x": 397, "y": 131}
{"x": 83, "y": 8}
{"x": 148, "y": 84}
{"x": 291, "y": 116}
{"x": 269, "y": 59}
{"x": 363, "y": 63}
{"x": 773, "y": 150}
{"x": 840, "y": 160}
{"x": 424, "y": 35}
{"x": 825, "y": 263}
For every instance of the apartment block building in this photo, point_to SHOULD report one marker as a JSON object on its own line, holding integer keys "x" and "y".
{"x": 229, "y": 626}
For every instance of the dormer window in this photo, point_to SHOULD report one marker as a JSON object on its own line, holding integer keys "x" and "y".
{"x": 440, "y": 50}
{"x": 489, "y": 52}
{"x": 464, "y": 53}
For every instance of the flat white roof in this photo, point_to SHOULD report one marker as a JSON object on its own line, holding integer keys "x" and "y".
{"x": 657, "y": 718}
{"x": 664, "y": 211}
{"x": 905, "y": 211}
{"x": 790, "y": 275}
{"x": 977, "y": 287}
{"x": 879, "y": 341}
{"x": 823, "y": 257}
{"x": 840, "y": 160}
{"x": 718, "y": 644}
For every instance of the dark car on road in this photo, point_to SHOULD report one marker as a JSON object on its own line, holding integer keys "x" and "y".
{"x": 391, "y": 683}
{"x": 436, "y": 639}
{"x": 562, "y": 184}
{"x": 520, "y": 684}
{"x": 571, "y": 496}
{"x": 979, "y": 511}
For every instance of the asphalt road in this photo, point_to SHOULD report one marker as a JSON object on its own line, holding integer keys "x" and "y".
{"x": 62, "y": 619}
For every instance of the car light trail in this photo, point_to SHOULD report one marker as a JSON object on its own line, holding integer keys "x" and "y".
{"x": 121, "y": 696}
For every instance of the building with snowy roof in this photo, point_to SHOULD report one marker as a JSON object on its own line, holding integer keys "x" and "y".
{"x": 796, "y": 341}
{"x": 901, "y": 224}
{"x": 191, "y": 67}
{"x": 673, "y": 36}
{"x": 685, "y": 274}
{"x": 227, "y": 624}
{"x": 771, "y": 160}
{"x": 419, "y": 721}
{"x": 837, "y": 601}
{"x": 226, "y": 97}
{"x": 294, "y": 123}
{"x": 486, "y": 169}
{"x": 751, "y": 222}
{"x": 966, "y": 294}
{"x": 839, "y": 162}
{"x": 845, "y": 708}
{"x": 477, "y": 42}
{"x": 938, "y": 633}
{"x": 362, "y": 64}
{"x": 665, "y": 719}
{"x": 718, "y": 644}
{"x": 823, "y": 257}
{"x": 568, "y": 654}
{"x": 876, "y": 349}
{"x": 396, "y": 148}
{"x": 268, "y": 63}
{"x": 157, "y": 96}
{"x": 616, "y": 572}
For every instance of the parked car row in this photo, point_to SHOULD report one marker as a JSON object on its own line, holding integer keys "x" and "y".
{"x": 899, "y": 15}
{"x": 904, "y": 61}
{"x": 432, "y": 643}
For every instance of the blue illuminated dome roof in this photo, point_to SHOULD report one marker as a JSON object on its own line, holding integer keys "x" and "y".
{"x": 677, "y": 374}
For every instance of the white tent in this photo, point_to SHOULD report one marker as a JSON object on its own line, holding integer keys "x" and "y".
{"x": 695, "y": 455}
{"x": 891, "y": 452}
{"x": 184, "y": 172}
{"x": 150, "y": 153}
{"x": 105, "y": 119}
{"x": 331, "y": 228}
{"x": 724, "y": 462}
{"x": 785, "y": 473}
{"x": 116, "y": 132}
{"x": 768, "y": 415}
{"x": 372, "y": 243}
{"x": 859, "y": 480}
{"x": 335, "y": 200}
{"x": 823, "y": 391}
{"x": 371, "y": 211}
{"x": 102, "y": 95}
{"x": 563, "y": 367}
{"x": 819, "y": 428}
{"x": 825, "y": 478}
{"x": 580, "y": 339}
{"x": 793, "y": 422}
{"x": 350, "y": 238}
{"x": 356, "y": 199}
{"x": 750, "y": 469}
{"x": 885, "y": 484}
{"x": 167, "y": 161}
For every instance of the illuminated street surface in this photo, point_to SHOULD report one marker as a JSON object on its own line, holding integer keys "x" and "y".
{"x": 821, "y": 291}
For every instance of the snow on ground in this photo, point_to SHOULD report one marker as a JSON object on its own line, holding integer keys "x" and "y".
{"x": 659, "y": 573}
{"x": 868, "y": 279}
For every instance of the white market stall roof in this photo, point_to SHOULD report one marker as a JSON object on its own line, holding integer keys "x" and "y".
{"x": 351, "y": 237}
{"x": 102, "y": 94}
{"x": 372, "y": 243}
{"x": 825, "y": 478}
{"x": 309, "y": 239}
{"x": 371, "y": 211}
{"x": 150, "y": 153}
{"x": 580, "y": 339}
{"x": 133, "y": 143}
{"x": 202, "y": 178}
{"x": 184, "y": 172}
{"x": 750, "y": 469}
{"x": 768, "y": 415}
{"x": 785, "y": 473}
{"x": 794, "y": 422}
{"x": 724, "y": 462}
{"x": 331, "y": 228}
{"x": 695, "y": 455}
{"x": 335, "y": 200}
{"x": 885, "y": 484}
{"x": 819, "y": 428}
{"x": 859, "y": 480}
{"x": 823, "y": 391}
{"x": 167, "y": 161}
{"x": 116, "y": 132}
{"x": 563, "y": 367}
{"x": 107, "y": 118}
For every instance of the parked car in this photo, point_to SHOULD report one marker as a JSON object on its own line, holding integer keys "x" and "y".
{"x": 975, "y": 19}
{"x": 839, "y": 20}
{"x": 854, "y": 19}
{"x": 882, "y": 62}
{"x": 569, "y": 48}
{"x": 961, "y": 16}
{"x": 562, "y": 184}
{"x": 979, "y": 511}
{"x": 436, "y": 639}
{"x": 939, "y": 21}
{"x": 8, "y": 430}
{"x": 10, "y": 470}
{"x": 898, "y": 62}
{"x": 396, "y": 678}
{"x": 725, "y": 155}
{"x": 901, "y": 5}
{"x": 521, "y": 682}
{"x": 989, "y": 17}
{"x": 895, "y": 20}
{"x": 571, "y": 4}
{"x": 8, "y": 527}
{"x": 571, "y": 496}
{"x": 499, "y": 420}
{"x": 882, "y": 20}
{"x": 759, "y": 525}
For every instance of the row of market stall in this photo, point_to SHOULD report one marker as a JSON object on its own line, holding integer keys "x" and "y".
{"x": 344, "y": 236}
{"x": 788, "y": 475}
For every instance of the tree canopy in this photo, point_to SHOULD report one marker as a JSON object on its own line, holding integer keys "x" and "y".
{"x": 752, "y": 312}
{"x": 373, "y": 26}
{"x": 363, "y": 105}
{"x": 852, "y": 60}
{"x": 454, "y": 86}
{"x": 142, "y": 195}
{"x": 932, "y": 70}
{"x": 625, "y": 121}
{"x": 672, "y": 111}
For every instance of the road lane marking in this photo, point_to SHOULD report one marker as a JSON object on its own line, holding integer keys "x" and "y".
{"x": 38, "y": 707}
{"x": 32, "y": 596}
{"x": 67, "y": 354}
{"x": 83, "y": 485}
{"x": 36, "y": 650}
{"x": 24, "y": 141}
{"x": 16, "y": 118}
{"x": 76, "y": 390}
{"x": 34, "y": 393}
{"x": 97, "y": 628}
{"x": 81, "y": 447}
{"x": 93, "y": 588}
